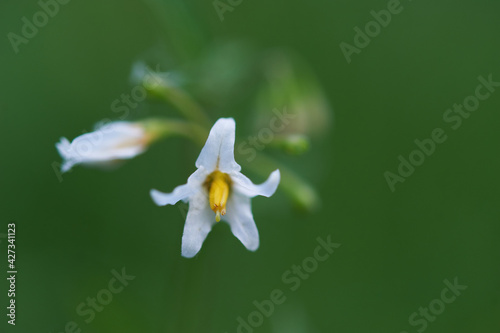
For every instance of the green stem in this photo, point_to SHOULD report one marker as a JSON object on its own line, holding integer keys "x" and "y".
{"x": 302, "y": 193}
{"x": 185, "y": 104}
{"x": 161, "y": 128}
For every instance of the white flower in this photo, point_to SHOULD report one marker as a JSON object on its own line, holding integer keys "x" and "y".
{"x": 217, "y": 189}
{"x": 112, "y": 142}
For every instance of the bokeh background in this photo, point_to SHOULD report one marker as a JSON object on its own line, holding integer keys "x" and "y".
{"x": 397, "y": 248}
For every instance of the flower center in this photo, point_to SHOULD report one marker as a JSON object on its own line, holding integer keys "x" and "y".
{"x": 219, "y": 187}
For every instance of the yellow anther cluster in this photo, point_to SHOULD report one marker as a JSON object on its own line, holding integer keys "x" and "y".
{"x": 219, "y": 187}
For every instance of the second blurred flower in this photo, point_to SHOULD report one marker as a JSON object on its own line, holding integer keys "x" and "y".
{"x": 109, "y": 143}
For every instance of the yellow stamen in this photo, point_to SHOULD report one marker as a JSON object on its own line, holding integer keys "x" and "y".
{"x": 219, "y": 186}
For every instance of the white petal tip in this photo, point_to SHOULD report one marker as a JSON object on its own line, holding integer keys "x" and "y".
{"x": 67, "y": 165}
{"x": 276, "y": 175}
{"x": 225, "y": 122}
{"x": 189, "y": 255}
{"x": 162, "y": 199}
{"x": 190, "y": 248}
{"x": 63, "y": 147}
{"x": 252, "y": 247}
{"x": 218, "y": 152}
{"x": 272, "y": 183}
{"x": 158, "y": 197}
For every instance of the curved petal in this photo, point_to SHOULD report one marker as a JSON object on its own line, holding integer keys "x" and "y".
{"x": 180, "y": 193}
{"x": 63, "y": 147}
{"x": 244, "y": 186}
{"x": 199, "y": 222}
{"x": 240, "y": 219}
{"x": 67, "y": 165}
{"x": 218, "y": 152}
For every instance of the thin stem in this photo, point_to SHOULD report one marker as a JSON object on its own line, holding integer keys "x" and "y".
{"x": 162, "y": 128}
{"x": 302, "y": 193}
{"x": 186, "y": 105}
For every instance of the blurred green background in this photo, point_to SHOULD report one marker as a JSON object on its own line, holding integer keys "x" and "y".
{"x": 397, "y": 248}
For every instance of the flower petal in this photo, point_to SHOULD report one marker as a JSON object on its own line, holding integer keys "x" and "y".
{"x": 67, "y": 165}
{"x": 63, "y": 148}
{"x": 110, "y": 142}
{"x": 117, "y": 140}
{"x": 199, "y": 222}
{"x": 183, "y": 192}
{"x": 218, "y": 151}
{"x": 244, "y": 186}
{"x": 240, "y": 218}
{"x": 180, "y": 193}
